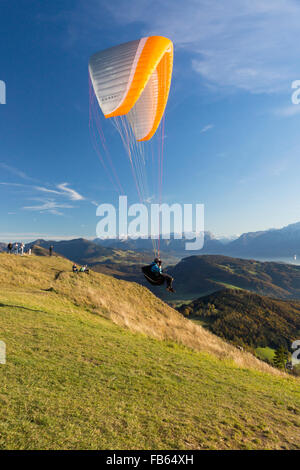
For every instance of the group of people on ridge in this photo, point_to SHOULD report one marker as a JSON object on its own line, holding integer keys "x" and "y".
{"x": 17, "y": 249}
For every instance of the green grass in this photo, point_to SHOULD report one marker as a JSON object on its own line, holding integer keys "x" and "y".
{"x": 227, "y": 286}
{"x": 75, "y": 380}
{"x": 265, "y": 354}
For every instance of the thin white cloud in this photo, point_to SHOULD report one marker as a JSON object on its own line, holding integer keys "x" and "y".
{"x": 73, "y": 195}
{"x": 17, "y": 185}
{"x": 50, "y": 207}
{"x": 47, "y": 190}
{"x": 287, "y": 111}
{"x": 207, "y": 128}
{"x": 14, "y": 171}
{"x": 64, "y": 190}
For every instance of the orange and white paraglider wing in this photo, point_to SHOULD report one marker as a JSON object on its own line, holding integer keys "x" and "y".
{"x": 133, "y": 79}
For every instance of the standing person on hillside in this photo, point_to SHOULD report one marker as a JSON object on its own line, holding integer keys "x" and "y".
{"x": 9, "y": 248}
{"x": 50, "y": 250}
{"x": 22, "y": 246}
{"x": 16, "y": 248}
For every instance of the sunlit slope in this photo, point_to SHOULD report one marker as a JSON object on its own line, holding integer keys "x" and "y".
{"x": 74, "y": 379}
{"x": 247, "y": 319}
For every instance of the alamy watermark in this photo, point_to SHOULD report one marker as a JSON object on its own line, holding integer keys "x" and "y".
{"x": 2, "y": 352}
{"x": 296, "y": 94}
{"x": 148, "y": 221}
{"x": 296, "y": 353}
{"x": 2, "y": 92}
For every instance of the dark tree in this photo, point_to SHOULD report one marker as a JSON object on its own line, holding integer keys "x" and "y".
{"x": 280, "y": 357}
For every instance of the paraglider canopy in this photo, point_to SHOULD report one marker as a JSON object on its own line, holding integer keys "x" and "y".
{"x": 131, "y": 83}
{"x": 133, "y": 79}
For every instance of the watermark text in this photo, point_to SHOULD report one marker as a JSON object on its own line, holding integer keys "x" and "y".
{"x": 2, "y": 92}
{"x": 2, "y": 352}
{"x": 152, "y": 221}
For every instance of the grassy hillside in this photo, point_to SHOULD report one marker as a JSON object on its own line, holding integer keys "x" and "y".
{"x": 266, "y": 354}
{"x": 202, "y": 275}
{"x": 76, "y": 378}
{"x": 246, "y": 318}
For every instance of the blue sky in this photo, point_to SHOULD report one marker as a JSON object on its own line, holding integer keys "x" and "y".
{"x": 231, "y": 129}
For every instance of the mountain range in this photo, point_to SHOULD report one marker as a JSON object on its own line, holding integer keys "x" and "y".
{"x": 267, "y": 244}
{"x": 172, "y": 246}
{"x": 273, "y": 243}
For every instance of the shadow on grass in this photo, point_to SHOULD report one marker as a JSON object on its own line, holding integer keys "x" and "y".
{"x": 19, "y": 306}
